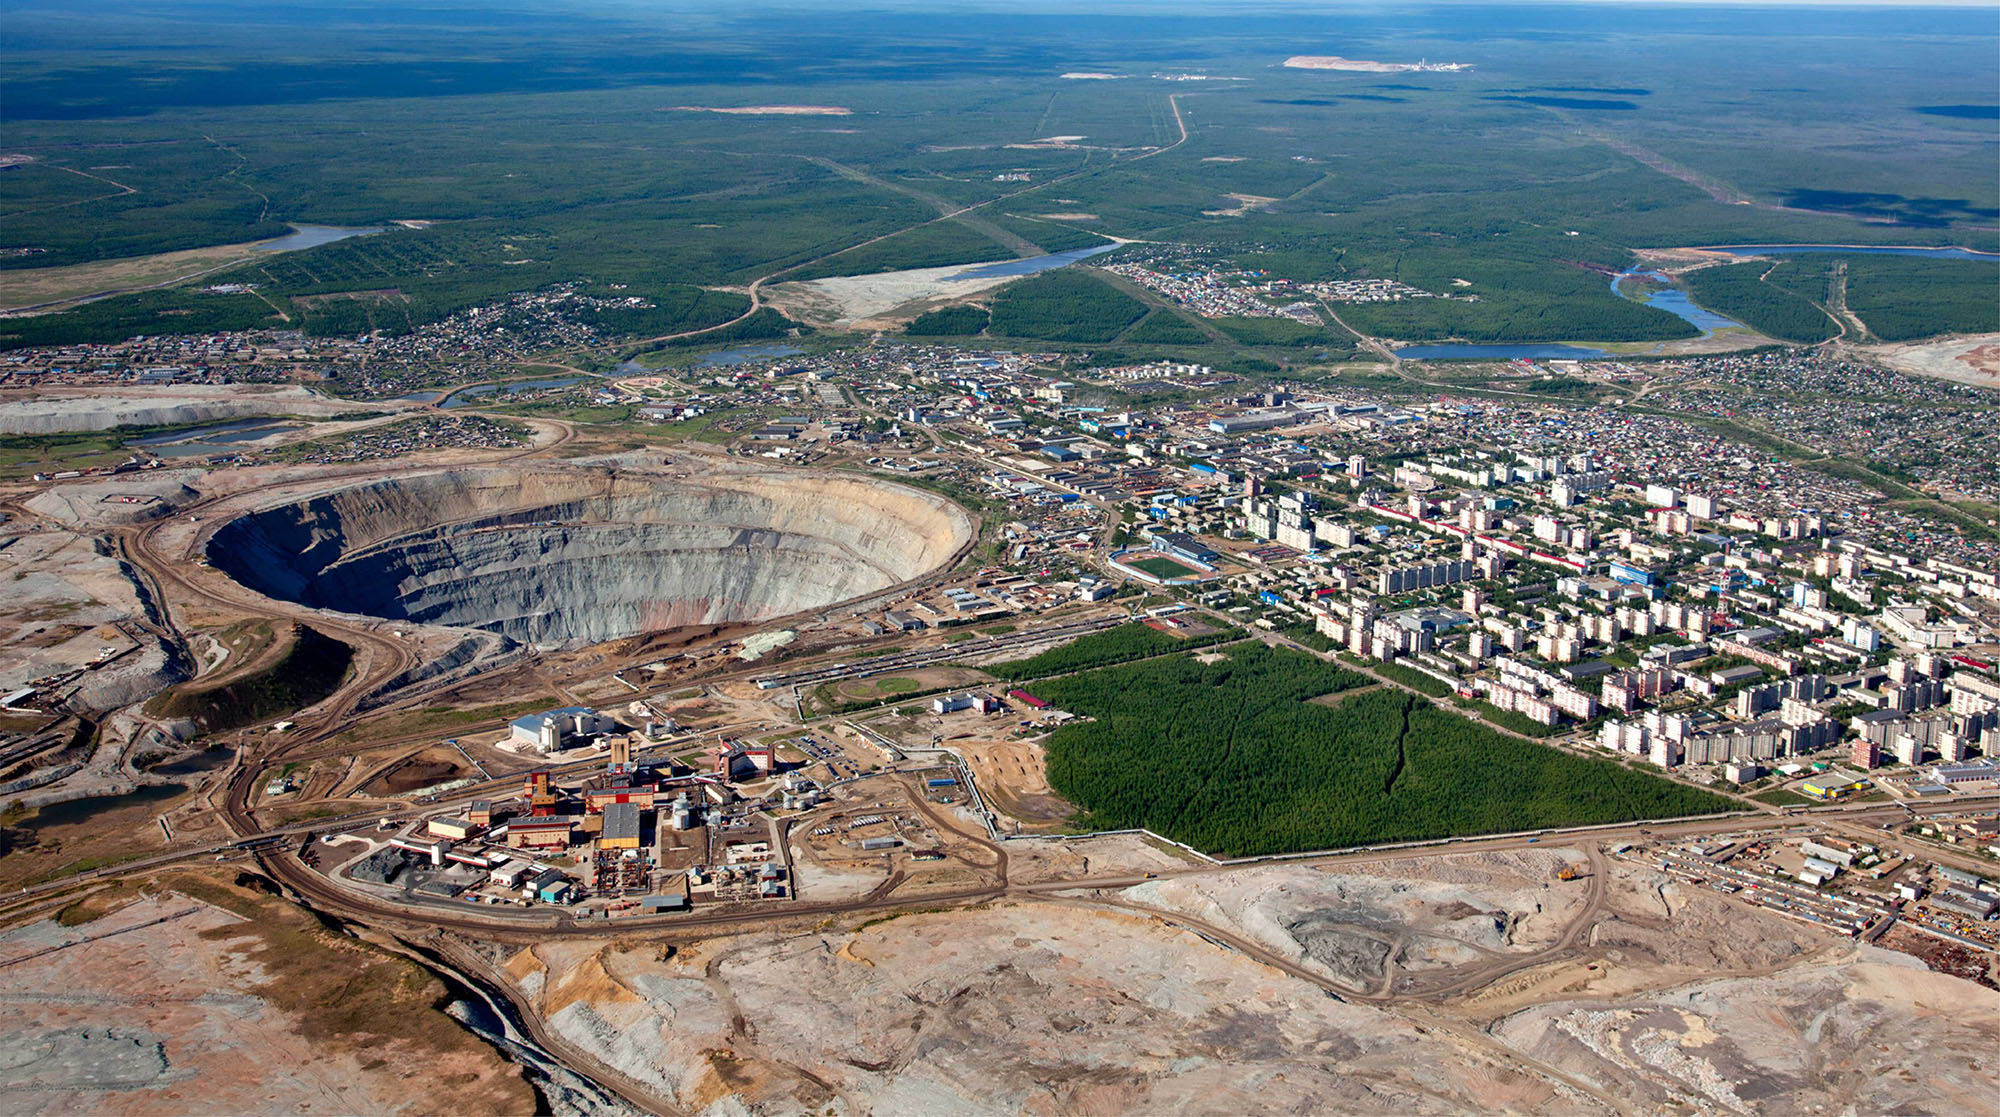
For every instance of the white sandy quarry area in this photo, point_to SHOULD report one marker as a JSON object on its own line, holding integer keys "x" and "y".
{"x": 1335, "y": 62}
{"x": 1968, "y": 360}
{"x": 846, "y": 300}
{"x": 769, "y": 110}
{"x": 92, "y": 409}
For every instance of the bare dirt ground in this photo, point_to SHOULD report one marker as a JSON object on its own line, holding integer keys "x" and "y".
{"x": 48, "y": 410}
{"x": 1726, "y": 340}
{"x": 52, "y": 288}
{"x": 1013, "y": 775}
{"x": 195, "y": 1029}
{"x": 1219, "y": 992}
{"x": 61, "y": 838}
{"x": 1245, "y": 203}
{"x": 63, "y": 596}
{"x": 1020, "y": 1009}
{"x": 1870, "y": 1032}
{"x": 1968, "y": 360}
{"x": 1361, "y": 927}
{"x": 1110, "y": 855}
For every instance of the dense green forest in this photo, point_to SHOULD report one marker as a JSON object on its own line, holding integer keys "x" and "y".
{"x": 950, "y": 321}
{"x": 675, "y": 309}
{"x": 151, "y": 313}
{"x": 1738, "y": 291}
{"x": 1231, "y": 758}
{"x": 761, "y": 326}
{"x": 1063, "y": 306}
{"x": 1050, "y": 236}
{"x": 1114, "y": 645}
{"x": 1510, "y": 293}
{"x": 1900, "y": 298}
{"x": 510, "y": 159}
{"x": 936, "y": 245}
{"x": 1285, "y": 331}
{"x": 1164, "y": 327}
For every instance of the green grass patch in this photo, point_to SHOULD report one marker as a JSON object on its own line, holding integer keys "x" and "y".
{"x": 1160, "y": 566}
{"x": 1283, "y": 331}
{"x": 1114, "y": 645}
{"x": 308, "y": 671}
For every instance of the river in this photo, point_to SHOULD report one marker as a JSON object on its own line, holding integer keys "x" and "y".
{"x": 1673, "y": 300}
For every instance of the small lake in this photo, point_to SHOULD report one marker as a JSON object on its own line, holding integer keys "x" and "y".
{"x": 467, "y": 397}
{"x": 83, "y": 810}
{"x": 1851, "y": 250}
{"x": 312, "y": 236}
{"x": 212, "y": 439}
{"x": 1501, "y": 353}
{"x": 202, "y": 432}
{"x": 1033, "y": 264}
{"x": 744, "y": 354}
{"x": 207, "y": 760}
{"x": 1675, "y": 301}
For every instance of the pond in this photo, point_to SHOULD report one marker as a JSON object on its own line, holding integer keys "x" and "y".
{"x": 83, "y": 810}
{"x": 467, "y": 397}
{"x": 207, "y": 760}
{"x": 312, "y": 236}
{"x": 214, "y": 439}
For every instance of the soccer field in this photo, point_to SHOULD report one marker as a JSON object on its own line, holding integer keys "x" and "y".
{"x": 1160, "y": 566}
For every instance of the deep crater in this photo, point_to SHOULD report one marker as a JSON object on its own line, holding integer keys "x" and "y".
{"x": 565, "y": 555}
